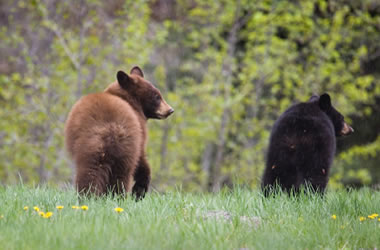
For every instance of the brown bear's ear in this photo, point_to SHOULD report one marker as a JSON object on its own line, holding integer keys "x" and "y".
{"x": 137, "y": 71}
{"x": 123, "y": 79}
{"x": 325, "y": 102}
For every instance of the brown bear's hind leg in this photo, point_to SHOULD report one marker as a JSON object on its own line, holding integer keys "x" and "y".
{"x": 120, "y": 184}
{"x": 93, "y": 181}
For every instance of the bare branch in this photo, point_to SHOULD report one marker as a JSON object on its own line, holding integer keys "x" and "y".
{"x": 63, "y": 43}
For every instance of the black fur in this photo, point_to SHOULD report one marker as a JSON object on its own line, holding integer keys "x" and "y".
{"x": 302, "y": 146}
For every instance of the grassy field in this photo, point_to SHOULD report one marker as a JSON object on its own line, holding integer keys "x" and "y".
{"x": 238, "y": 219}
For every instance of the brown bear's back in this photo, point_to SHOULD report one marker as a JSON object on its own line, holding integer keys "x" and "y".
{"x": 103, "y": 126}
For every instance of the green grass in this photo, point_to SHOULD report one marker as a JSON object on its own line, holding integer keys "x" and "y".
{"x": 176, "y": 220}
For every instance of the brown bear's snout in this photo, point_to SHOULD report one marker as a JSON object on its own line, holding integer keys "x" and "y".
{"x": 347, "y": 129}
{"x": 170, "y": 111}
{"x": 164, "y": 110}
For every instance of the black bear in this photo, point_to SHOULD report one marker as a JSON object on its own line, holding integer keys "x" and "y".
{"x": 302, "y": 146}
{"x": 105, "y": 134}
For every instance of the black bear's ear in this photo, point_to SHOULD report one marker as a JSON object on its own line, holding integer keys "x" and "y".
{"x": 314, "y": 98}
{"x": 137, "y": 71}
{"x": 123, "y": 79}
{"x": 325, "y": 102}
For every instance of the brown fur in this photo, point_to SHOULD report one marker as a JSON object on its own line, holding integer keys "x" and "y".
{"x": 106, "y": 135}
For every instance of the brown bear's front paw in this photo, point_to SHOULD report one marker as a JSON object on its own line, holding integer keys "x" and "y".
{"x": 139, "y": 191}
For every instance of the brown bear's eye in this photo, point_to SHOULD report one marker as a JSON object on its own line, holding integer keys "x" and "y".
{"x": 157, "y": 97}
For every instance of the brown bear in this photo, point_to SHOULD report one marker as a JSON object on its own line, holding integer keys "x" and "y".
{"x": 106, "y": 135}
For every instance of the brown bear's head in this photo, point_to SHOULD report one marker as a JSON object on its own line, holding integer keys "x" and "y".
{"x": 140, "y": 94}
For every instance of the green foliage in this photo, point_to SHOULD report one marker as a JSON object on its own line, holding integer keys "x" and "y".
{"x": 229, "y": 69}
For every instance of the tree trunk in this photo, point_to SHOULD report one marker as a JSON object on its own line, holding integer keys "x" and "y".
{"x": 164, "y": 146}
{"x": 227, "y": 70}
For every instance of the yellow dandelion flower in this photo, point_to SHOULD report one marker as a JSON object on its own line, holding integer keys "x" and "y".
{"x": 362, "y": 218}
{"x": 42, "y": 214}
{"x": 379, "y": 219}
{"x": 75, "y": 207}
{"x": 37, "y": 209}
{"x": 118, "y": 209}
{"x": 26, "y": 208}
{"x": 60, "y": 207}
{"x": 47, "y": 215}
{"x": 1, "y": 216}
{"x": 373, "y": 216}
{"x": 85, "y": 208}
{"x": 333, "y": 217}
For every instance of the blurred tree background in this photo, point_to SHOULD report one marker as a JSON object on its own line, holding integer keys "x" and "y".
{"x": 228, "y": 67}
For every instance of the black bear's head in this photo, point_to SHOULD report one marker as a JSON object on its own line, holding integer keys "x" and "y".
{"x": 340, "y": 126}
{"x": 143, "y": 94}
